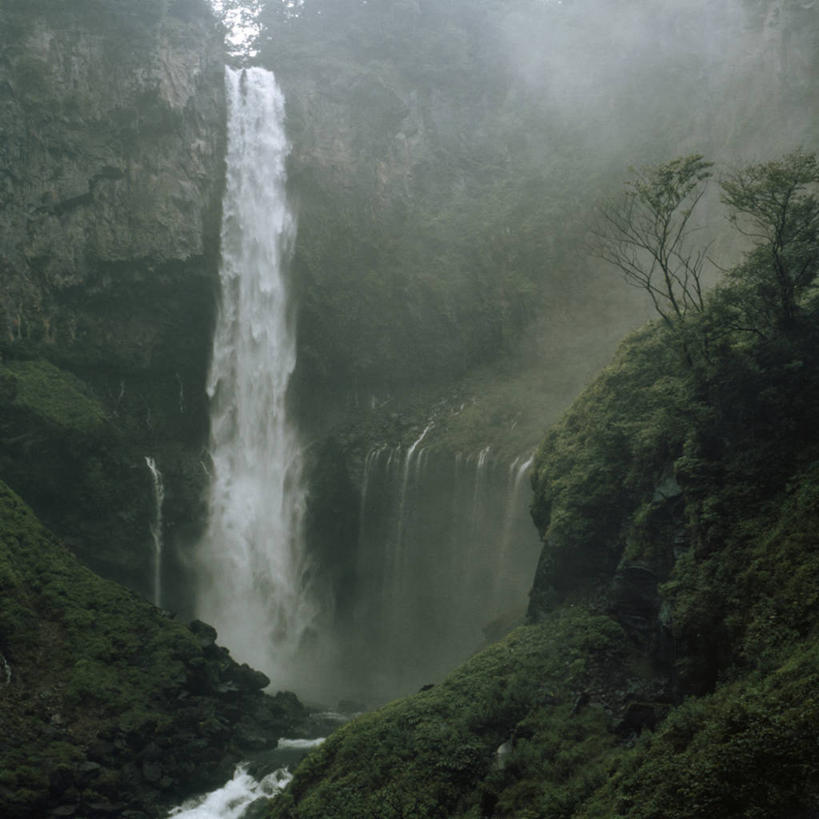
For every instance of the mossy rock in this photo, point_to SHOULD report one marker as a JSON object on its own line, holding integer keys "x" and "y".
{"x": 52, "y": 395}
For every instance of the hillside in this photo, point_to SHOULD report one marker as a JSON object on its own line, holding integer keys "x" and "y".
{"x": 670, "y": 663}
{"x": 107, "y": 703}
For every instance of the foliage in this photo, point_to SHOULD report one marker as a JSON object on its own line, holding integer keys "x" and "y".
{"x": 775, "y": 205}
{"x": 703, "y": 476}
{"x": 606, "y": 454}
{"x": 434, "y": 754}
{"x": 53, "y": 395}
{"x": 748, "y": 750}
{"x": 100, "y": 678}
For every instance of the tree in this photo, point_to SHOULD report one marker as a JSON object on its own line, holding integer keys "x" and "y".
{"x": 775, "y": 205}
{"x": 646, "y": 234}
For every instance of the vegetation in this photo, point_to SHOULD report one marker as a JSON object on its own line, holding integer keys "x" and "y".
{"x": 776, "y": 206}
{"x": 435, "y": 754}
{"x": 107, "y": 702}
{"x": 678, "y": 504}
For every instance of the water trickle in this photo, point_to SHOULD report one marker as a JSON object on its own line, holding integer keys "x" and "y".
{"x": 5, "y": 670}
{"x": 402, "y": 503}
{"x": 156, "y": 528}
{"x": 515, "y": 509}
{"x": 252, "y": 579}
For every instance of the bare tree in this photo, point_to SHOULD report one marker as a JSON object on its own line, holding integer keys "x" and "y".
{"x": 646, "y": 234}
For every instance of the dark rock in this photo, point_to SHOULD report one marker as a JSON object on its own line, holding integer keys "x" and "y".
{"x": 637, "y": 717}
{"x": 247, "y": 678}
{"x": 60, "y": 779}
{"x": 105, "y": 808}
{"x": 205, "y": 634}
{"x": 634, "y": 599}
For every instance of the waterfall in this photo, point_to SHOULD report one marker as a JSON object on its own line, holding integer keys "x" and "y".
{"x": 156, "y": 528}
{"x": 398, "y": 550}
{"x": 518, "y": 470}
{"x": 252, "y": 567}
{"x": 446, "y": 547}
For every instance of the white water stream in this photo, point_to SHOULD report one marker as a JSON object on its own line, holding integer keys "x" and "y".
{"x": 251, "y": 562}
{"x": 232, "y": 800}
{"x": 156, "y": 527}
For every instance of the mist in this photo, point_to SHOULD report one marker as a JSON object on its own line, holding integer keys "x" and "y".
{"x": 447, "y": 161}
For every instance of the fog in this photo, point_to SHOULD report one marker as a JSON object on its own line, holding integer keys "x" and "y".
{"x": 447, "y": 162}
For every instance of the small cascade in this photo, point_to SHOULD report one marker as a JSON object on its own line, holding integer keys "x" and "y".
{"x": 156, "y": 528}
{"x": 515, "y": 508}
{"x": 445, "y": 547}
{"x": 480, "y": 485}
{"x": 398, "y": 550}
{"x": 5, "y": 671}
{"x": 234, "y": 799}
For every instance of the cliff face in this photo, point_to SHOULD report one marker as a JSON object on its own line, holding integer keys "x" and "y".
{"x": 112, "y": 117}
{"x": 113, "y": 137}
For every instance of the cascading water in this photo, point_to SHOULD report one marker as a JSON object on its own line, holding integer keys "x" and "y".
{"x": 252, "y": 566}
{"x": 156, "y": 528}
{"x": 457, "y": 526}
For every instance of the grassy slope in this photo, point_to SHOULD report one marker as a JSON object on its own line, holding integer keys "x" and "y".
{"x": 729, "y": 669}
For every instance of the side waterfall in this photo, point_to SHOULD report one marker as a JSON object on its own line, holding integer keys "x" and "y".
{"x": 252, "y": 568}
{"x": 156, "y": 527}
{"x": 446, "y": 546}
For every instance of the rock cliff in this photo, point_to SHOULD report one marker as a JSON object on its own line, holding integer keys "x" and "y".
{"x": 111, "y": 170}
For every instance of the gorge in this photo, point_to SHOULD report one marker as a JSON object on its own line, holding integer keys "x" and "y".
{"x": 321, "y": 365}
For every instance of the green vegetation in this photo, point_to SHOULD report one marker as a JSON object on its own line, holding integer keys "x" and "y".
{"x": 52, "y": 395}
{"x": 100, "y": 680}
{"x": 434, "y": 754}
{"x": 672, "y": 667}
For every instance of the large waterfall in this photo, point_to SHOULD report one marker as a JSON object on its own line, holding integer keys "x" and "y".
{"x": 252, "y": 569}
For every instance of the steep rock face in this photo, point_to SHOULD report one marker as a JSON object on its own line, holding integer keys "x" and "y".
{"x": 113, "y": 137}
{"x": 446, "y": 158}
{"x": 111, "y": 172}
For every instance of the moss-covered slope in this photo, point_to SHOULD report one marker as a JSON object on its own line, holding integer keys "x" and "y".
{"x": 105, "y": 703}
{"x": 671, "y": 666}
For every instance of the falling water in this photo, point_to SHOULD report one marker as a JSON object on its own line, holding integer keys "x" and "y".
{"x": 233, "y": 799}
{"x": 156, "y": 527}
{"x": 252, "y": 565}
{"x": 458, "y": 527}
{"x": 518, "y": 470}
{"x": 398, "y": 551}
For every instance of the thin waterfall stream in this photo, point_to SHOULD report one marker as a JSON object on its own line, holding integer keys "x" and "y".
{"x": 156, "y": 528}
